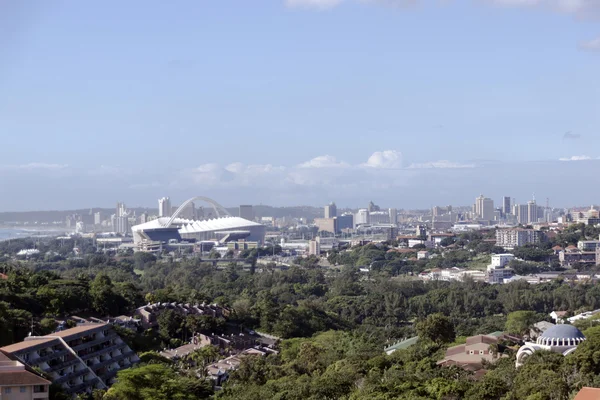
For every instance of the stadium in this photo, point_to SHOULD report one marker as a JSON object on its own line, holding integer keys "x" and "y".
{"x": 222, "y": 228}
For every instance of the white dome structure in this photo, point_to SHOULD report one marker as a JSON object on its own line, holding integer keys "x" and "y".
{"x": 562, "y": 339}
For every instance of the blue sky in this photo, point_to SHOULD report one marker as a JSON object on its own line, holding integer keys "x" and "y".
{"x": 411, "y": 103}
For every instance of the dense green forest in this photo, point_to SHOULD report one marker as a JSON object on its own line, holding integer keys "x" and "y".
{"x": 334, "y": 322}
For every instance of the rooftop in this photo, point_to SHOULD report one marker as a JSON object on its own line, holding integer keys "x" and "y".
{"x": 563, "y": 331}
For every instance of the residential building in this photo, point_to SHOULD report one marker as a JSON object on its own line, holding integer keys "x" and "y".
{"x": 422, "y": 255}
{"x": 588, "y": 245}
{"x": 330, "y": 210}
{"x": 588, "y": 393}
{"x": 247, "y": 212}
{"x": 501, "y": 260}
{"x": 511, "y": 238}
{"x": 164, "y": 207}
{"x": 314, "y": 247}
{"x": 79, "y": 359}
{"x": 17, "y": 383}
{"x": 572, "y": 255}
{"x": 471, "y": 355}
{"x": 97, "y": 218}
{"x": 148, "y": 314}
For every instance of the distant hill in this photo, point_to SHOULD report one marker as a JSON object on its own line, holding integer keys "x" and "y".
{"x": 7, "y": 218}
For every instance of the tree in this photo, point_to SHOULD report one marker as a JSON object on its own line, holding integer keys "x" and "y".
{"x": 520, "y": 322}
{"x": 154, "y": 382}
{"x": 436, "y": 327}
{"x": 47, "y": 326}
{"x": 202, "y": 357}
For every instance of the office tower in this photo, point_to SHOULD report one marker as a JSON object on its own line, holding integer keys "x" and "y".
{"x": 393, "y": 215}
{"x": 330, "y": 210}
{"x": 484, "y": 208}
{"x": 143, "y": 218}
{"x": 521, "y": 211}
{"x": 122, "y": 223}
{"x": 373, "y": 207}
{"x": 164, "y": 207}
{"x": 121, "y": 210}
{"x": 345, "y": 221}
{"x": 506, "y": 205}
{"x": 532, "y": 212}
{"x": 97, "y": 218}
{"x": 188, "y": 212}
{"x": 247, "y": 212}
{"x": 362, "y": 217}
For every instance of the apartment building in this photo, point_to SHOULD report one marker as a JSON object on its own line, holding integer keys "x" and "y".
{"x": 79, "y": 359}
{"x": 17, "y": 383}
{"x": 149, "y": 313}
{"x": 511, "y": 238}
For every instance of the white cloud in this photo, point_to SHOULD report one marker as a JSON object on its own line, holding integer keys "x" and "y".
{"x": 34, "y": 166}
{"x": 387, "y": 159}
{"x": 576, "y": 158}
{"x": 325, "y": 161}
{"x": 591, "y": 45}
{"x": 440, "y": 164}
{"x": 579, "y": 8}
{"x": 318, "y": 4}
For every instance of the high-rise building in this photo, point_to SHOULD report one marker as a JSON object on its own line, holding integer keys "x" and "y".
{"x": 247, "y": 212}
{"x": 521, "y": 211}
{"x": 188, "y": 212}
{"x": 532, "y": 212}
{"x": 330, "y": 210}
{"x": 122, "y": 224}
{"x": 393, "y": 215}
{"x": 143, "y": 218}
{"x": 345, "y": 221}
{"x": 362, "y": 217}
{"x": 97, "y": 218}
{"x": 164, "y": 207}
{"x": 373, "y": 207}
{"x": 484, "y": 208}
{"x": 121, "y": 209}
{"x": 506, "y": 205}
{"x": 314, "y": 247}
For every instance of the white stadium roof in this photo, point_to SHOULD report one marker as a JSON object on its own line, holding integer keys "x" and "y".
{"x": 195, "y": 226}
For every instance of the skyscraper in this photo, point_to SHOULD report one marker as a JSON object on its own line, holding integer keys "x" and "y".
{"x": 164, "y": 207}
{"x": 484, "y": 208}
{"x": 247, "y": 212}
{"x": 393, "y": 215}
{"x": 330, "y": 210}
{"x": 121, "y": 210}
{"x": 97, "y": 218}
{"x": 532, "y": 212}
{"x": 506, "y": 205}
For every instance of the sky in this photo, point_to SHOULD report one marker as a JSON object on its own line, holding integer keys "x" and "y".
{"x": 409, "y": 103}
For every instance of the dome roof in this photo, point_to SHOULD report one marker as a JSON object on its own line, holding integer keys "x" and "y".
{"x": 563, "y": 331}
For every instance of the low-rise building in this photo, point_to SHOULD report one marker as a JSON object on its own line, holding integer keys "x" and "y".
{"x": 471, "y": 355}
{"x": 588, "y": 245}
{"x": 17, "y": 383}
{"x": 79, "y": 359}
{"x": 148, "y": 314}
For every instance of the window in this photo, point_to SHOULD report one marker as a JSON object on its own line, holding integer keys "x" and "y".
{"x": 480, "y": 352}
{"x": 7, "y": 390}
{"x": 23, "y": 389}
{"x": 39, "y": 389}
{"x": 471, "y": 352}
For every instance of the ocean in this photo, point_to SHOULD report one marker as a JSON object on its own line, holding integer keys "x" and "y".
{"x": 15, "y": 233}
